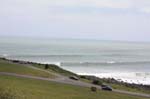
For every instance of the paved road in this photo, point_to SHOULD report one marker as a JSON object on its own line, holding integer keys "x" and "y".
{"x": 66, "y": 80}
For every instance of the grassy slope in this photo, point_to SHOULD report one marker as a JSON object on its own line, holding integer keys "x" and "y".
{"x": 6, "y": 66}
{"x": 36, "y": 89}
{"x": 55, "y": 69}
{"x": 115, "y": 86}
{"x": 122, "y": 87}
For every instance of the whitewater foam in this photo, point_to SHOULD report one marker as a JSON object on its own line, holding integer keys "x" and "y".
{"x": 129, "y": 77}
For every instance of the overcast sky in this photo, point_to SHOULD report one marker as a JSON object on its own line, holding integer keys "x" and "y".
{"x": 94, "y": 19}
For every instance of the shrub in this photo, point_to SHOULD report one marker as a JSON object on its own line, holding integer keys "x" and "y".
{"x": 84, "y": 77}
{"x": 93, "y": 89}
{"x": 46, "y": 66}
{"x": 97, "y": 82}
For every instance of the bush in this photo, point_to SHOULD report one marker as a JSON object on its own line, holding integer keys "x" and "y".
{"x": 46, "y": 66}
{"x": 93, "y": 89}
{"x": 97, "y": 82}
{"x": 84, "y": 77}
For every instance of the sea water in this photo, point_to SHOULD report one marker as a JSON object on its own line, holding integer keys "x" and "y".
{"x": 125, "y": 61}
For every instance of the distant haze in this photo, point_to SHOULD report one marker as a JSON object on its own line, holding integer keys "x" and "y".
{"x": 93, "y": 19}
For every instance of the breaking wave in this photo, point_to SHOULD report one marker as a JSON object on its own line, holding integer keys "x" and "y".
{"x": 102, "y": 63}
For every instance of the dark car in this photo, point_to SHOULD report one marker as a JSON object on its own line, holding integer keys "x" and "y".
{"x": 74, "y": 77}
{"x": 106, "y": 87}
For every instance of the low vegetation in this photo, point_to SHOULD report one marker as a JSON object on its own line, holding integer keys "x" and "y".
{"x": 53, "y": 68}
{"x": 36, "y": 89}
{"x": 7, "y": 94}
{"x": 118, "y": 85}
{"x": 8, "y": 66}
{"x": 23, "y": 88}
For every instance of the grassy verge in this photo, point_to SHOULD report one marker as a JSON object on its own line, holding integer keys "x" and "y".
{"x": 36, "y": 89}
{"x": 6, "y": 66}
{"x": 128, "y": 88}
{"x": 54, "y": 68}
{"x": 118, "y": 85}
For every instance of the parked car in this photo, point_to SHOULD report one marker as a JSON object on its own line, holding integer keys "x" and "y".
{"x": 106, "y": 87}
{"x": 74, "y": 77}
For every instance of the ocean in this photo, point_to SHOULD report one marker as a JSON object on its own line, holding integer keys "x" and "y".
{"x": 124, "y": 61}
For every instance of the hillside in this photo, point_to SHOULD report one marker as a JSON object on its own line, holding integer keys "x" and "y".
{"x": 23, "y": 87}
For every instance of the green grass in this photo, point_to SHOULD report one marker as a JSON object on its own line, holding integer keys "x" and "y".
{"x": 24, "y": 88}
{"x": 6, "y": 66}
{"x": 55, "y": 69}
{"x": 7, "y": 94}
{"x": 123, "y": 87}
{"x": 119, "y": 86}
